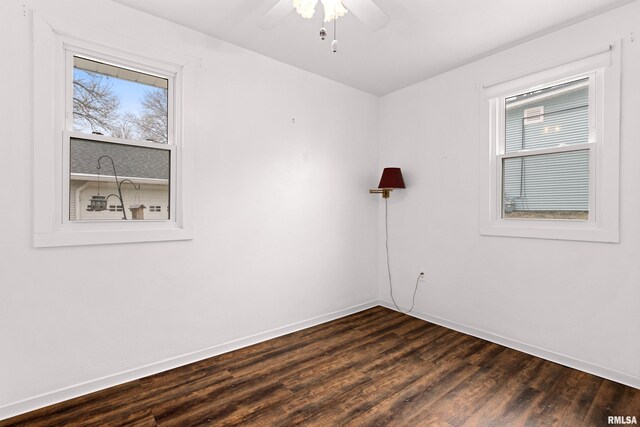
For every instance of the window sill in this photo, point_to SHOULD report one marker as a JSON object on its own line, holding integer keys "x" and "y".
{"x": 586, "y": 231}
{"x": 151, "y": 233}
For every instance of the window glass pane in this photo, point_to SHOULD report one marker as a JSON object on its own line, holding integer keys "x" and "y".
{"x": 550, "y": 186}
{"x": 549, "y": 117}
{"x": 119, "y": 102}
{"x": 143, "y": 181}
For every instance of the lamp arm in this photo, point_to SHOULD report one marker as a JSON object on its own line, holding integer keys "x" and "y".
{"x": 384, "y": 191}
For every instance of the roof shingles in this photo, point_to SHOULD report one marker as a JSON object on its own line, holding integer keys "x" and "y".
{"x": 130, "y": 161}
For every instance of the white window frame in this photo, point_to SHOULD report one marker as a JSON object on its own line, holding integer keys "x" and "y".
{"x": 56, "y": 41}
{"x": 602, "y": 67}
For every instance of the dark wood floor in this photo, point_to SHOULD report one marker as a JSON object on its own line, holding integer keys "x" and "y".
{"x": 377, "y": 367}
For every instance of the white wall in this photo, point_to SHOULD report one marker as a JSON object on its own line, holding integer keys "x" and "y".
{"x": 283, "y": 221}
{"x": 575, "y": 302}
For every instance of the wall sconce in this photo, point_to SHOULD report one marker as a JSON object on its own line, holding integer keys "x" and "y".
{"x": 391, "y": 178}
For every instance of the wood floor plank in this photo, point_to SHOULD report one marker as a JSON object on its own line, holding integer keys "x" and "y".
{"x": 301, "y": 358}
{"x": 577, "y": 387}
{"x": 421, "y": 392}
{"x": 557, "y": 411}
{"x": 352, "y": 358}
{"x": 461, "y": 402}
{"x": 486, "y": 354}
{"x": 441, "y": 347}
{"x": 219, "y": 409}
{"x": 386, "y": 383}
{"x": 613, "y": 399}
{"x": 134, "y": 419}
{"x": 617, "y": 396}
{"x": 320, "y": 402}
{"x": 510, "y": 405}
{"x": 158, "y": 396}
{"x": 377, "y": 367}
{"x": 114, "y": 402}
{"x": 539, "y": 374}
{"x": 220, "y": 398}
{"x": 418, "y": 329}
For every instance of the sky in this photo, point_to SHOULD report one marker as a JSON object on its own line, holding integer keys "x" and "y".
{"x": 130, "y": 93}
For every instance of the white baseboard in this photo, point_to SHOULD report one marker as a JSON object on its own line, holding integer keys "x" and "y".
{"x": 76, "y": 390}
{"x": 619, "y": 377}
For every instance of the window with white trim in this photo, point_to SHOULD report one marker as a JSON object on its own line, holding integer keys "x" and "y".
{"x": 544, "y": 163}
{"x": 108, "y": 139}
{"x": 553, "y": 142}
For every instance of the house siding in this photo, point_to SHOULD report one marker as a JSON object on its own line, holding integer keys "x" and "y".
{"x": 552, "y": 182}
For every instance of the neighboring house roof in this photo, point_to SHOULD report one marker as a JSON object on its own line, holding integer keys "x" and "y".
{"x": 130, "y": 161}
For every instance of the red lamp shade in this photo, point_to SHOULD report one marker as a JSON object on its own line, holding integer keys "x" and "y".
{"x": 391, "y": 178}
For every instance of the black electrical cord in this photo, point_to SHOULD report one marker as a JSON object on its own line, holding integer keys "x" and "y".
{"x": 386, "y": 242}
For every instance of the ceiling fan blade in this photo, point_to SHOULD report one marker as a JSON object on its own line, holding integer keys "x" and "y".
{"x": 275, "y": 14}
{"x": 368, "y": 12}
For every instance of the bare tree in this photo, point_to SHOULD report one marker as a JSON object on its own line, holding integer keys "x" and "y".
{"x": 125, "y": 128}
{"x": 151, "y": 124}
{"x": 95, "y": 105}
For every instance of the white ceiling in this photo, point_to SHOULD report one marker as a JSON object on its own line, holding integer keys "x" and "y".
{"x": 423, "y": 39}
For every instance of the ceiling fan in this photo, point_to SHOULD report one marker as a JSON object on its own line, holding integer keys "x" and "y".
{"x": 365, "y": 10}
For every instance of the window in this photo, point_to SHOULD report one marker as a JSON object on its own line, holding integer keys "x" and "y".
{"x": 110, "y": 151}
{"x": 545, "y": 159}
{"x": 553, "y": 139}
{"x": 118, "y": 137}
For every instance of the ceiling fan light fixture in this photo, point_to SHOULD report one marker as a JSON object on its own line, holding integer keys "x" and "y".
{"x": 305, "y": 8}
{"x": 333, "y": 9}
